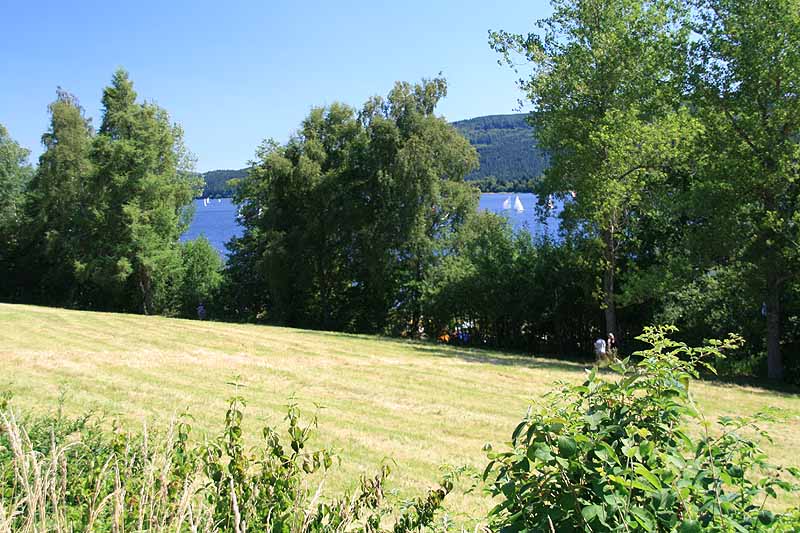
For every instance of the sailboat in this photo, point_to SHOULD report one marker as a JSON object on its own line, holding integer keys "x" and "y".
{"x": 219, "y": 200}
{"x": 518, "y": 205}
{"x": 507, "y": 203}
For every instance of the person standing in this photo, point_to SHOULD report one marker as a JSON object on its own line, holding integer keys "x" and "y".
{"x": 611, "y": 346}
{"x": 600, "y": 349}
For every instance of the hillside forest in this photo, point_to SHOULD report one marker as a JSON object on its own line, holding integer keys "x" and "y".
{"x": 672, "y": 137}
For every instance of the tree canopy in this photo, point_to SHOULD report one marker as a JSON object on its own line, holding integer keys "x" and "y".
{"x": 344, "y": 222}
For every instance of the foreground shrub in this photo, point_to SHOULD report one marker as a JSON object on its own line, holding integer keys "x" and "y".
{"x": 59, "y": 474}
{"x": 618, "y": 456}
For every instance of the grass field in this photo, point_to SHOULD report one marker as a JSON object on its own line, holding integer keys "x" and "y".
{"x": 420, "y": 404}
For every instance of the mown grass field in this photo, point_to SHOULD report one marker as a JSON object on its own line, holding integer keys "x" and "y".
{"x": 419, "y": 404}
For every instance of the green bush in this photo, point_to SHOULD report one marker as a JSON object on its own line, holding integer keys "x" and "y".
{"x": 202, "y": 276}
{"x": 618, "y": 455}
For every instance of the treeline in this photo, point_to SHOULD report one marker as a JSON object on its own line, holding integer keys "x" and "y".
{"x": 219, "y": 184}
{"x": 492, "y": 184}
{"x": 96, "y": 224}
{"x": 363, "y": 222}
{"x": 672, "y": 133}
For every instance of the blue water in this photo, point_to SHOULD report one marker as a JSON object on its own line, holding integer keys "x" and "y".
{"x": 529, "y": 218}
{"x": 217, "y": 220}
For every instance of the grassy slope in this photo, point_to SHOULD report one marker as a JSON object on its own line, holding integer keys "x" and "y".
{"x": 420, "y": 404}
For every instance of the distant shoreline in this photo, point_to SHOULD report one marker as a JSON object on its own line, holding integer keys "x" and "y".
{"x": 510, "y": 192}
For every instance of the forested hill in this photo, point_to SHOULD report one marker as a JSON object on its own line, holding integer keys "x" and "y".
{"x": 505, "y": 145}
{"x": 217, "y": 185}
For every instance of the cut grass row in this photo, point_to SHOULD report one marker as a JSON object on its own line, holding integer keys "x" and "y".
{"x": 418, "y": 404}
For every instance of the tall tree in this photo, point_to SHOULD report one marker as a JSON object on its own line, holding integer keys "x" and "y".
{"x": 606, "y": 90}
{"x": 15, "y": 172}
{"x": 747, "y": 84}
{"x": 57, "y": 201}
{"x": 141, "y": 188}
{"x": 342, "y": 222}
{"x": 419, "y": 198}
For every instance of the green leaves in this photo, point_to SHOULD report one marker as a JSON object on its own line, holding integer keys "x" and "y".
{"x": 606, "y": 83}
{"x": 616, "y": 456}
{"x": 592, "y": 512}
{"x": 105, "y": 211}
{"x": 567, "y": 447}
{"x": 345, "y": 222}
{"x": 647, "y": 475}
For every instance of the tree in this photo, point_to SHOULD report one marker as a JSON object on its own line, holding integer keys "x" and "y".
{"x": 141, "y": 188}
{"x": 202, "y": 275}
{"x": 608, "y": 110}
{"x": 57, "y": 217}
{"x": 343, "y": 222}
{"x": 424, "y": 201}
{"x": 746, "y": 82}
{"x": 14, "y": 176}
{"x": 512, "y": 290}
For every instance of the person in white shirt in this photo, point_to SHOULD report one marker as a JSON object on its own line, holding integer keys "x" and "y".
{"x": 600, "y": 349}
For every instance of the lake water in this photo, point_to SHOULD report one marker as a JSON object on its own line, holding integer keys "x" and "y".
{"x": 217, "y": 220}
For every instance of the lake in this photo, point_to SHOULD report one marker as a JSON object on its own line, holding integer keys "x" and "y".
{"x": 217, "y": 220}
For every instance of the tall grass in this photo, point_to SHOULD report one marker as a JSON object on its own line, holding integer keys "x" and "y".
{"x": 61, "y": 475}
{"x": 42, "y": 490}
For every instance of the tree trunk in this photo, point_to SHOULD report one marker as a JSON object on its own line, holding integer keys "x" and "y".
{"x": 147, "y": 293}
{"x": 774, "y": 359}
{"x": 608, "y": 301}
{"x": 608, "y": 284}
{"x": 416, "y": 315}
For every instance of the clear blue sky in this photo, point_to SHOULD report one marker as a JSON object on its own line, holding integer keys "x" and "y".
{"x": 233, "y": 73}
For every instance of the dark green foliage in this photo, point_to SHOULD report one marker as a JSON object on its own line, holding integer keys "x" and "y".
{"x": 506, "y": 148}
{"x": 103, "y": 212}
{"x": 14, "y": 176}
{"x": 672, "y": 131}
{"x": 605, "y": 83}
{"x": 139, "y": 191}
{"x": 492, "y": 184}
{"x": 744, "y": 78}
{"x": 202, "y": 276}
{"x": 345, "y": 222}
{"x": 512, "y": 291}
{"x": 221, "y": 183}
{"x": 618, "y": 455}
{"x": 58, "y": 207}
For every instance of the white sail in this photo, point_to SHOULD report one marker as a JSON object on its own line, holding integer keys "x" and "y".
{"x": 518, "y": 205}
{"x": 507, "y": 203}
{"x": 219, "y": 200}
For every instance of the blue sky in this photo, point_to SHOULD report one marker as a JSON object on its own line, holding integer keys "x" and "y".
{"x": 233, "y": 73}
